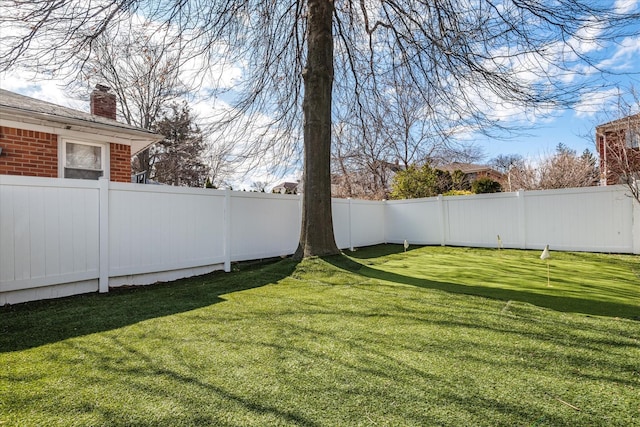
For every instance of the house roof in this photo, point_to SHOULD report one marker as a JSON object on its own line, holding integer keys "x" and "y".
{"x": 30, "y": 111}
{"x": 465, "y": 167}
{"x": 394, "y": 167}
{"x": 287, "y": 186}
{"x": 619, "y": 124}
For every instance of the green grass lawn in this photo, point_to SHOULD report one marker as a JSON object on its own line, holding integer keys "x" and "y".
{"x": 433, "y": 336}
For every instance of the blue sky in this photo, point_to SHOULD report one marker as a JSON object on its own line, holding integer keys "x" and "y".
{"x": 574, "y": 127}
{"x": 568, "y": 128}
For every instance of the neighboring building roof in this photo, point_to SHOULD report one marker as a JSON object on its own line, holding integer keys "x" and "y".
{"x": 20, "y": 108}
{"x": 393, "y": 167}
{"x": 466, "y": 168}
{"x": 619, "y": 124}
{"x": 288, "y": 186}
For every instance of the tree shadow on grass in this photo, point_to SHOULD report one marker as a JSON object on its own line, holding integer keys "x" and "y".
{"x": 380, "y": 251}
{"x": 558, "y": 303}
{"x": 37, "y": 323}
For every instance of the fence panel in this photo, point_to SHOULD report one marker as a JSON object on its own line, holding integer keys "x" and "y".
{"x": 154, "y": 228}
{"x": 341, "y": 222}
{"x": 478, "y": 220}
{"x": 417, "y": 221}
{"x": 367, "y": 222}
{"x": 48, "y": 232}
{"x": 263, "y": 225}
{"x": 580, "y": 219}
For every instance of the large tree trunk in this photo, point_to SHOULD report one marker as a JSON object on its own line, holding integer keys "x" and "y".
{"x": 316, "y": 236}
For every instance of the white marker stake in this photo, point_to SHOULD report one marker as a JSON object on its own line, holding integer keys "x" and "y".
{"x": 545, "y": 256}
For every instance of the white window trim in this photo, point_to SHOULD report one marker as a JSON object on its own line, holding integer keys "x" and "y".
{"x": 632, "y": 138}
{"x": 62, "y": 154}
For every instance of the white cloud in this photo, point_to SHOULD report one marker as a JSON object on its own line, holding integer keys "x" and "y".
{"x": 625, "y": 6}
{"x": 594, "y": 102}
{"x": 35, "y": 86}
{"x": 625, "y": 56}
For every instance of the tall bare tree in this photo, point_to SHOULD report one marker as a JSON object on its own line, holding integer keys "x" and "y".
{"x": 220, "y": 158}
{"x": 463, "y": 59}
{"x": 504, "y": 162}
{"x": 362, "y": 157}
{"x": 567, "y": 169}
{"x": 523, "y": 176}
{"x": 144, "y": 74}
{"x": 394, "y": 130}
{"x": 562, "y": 169}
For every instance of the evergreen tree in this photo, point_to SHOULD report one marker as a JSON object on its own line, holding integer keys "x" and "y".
{"x": 485, "y": 185}
{"x": 180, "y": 153}
{"x": 209, "y": 184}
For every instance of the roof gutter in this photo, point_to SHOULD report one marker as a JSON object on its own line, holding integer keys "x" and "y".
{"x": 138, "y": 139}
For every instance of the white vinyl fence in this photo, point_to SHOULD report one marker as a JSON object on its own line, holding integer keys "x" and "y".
{"x": 592, "y": 219}
{"x": 63, "y": 237}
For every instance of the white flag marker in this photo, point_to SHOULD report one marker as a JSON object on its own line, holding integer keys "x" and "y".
{"x": 545, "y": 256}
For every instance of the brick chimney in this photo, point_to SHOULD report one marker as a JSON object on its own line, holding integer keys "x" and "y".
{"x": 103, "y": 103}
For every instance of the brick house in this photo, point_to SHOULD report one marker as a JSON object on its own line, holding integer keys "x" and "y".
{"x": 473, "y": 172}
{"x": 41, "y": 139}
{"x": 618, "y": 144}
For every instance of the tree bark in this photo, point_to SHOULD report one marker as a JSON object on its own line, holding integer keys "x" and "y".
{"x": 316, "y": 235}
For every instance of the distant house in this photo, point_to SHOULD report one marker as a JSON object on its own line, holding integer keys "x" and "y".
{"x": 286, "y": 188}
{"x": 618, "y": 144}
{"x": 472, "y": 171}
{"x": 41, "y": 139}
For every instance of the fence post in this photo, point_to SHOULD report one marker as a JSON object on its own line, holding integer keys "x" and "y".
{"x": 350, "y": 227}
{"x": 227, "y": 230}
{"x": 103, "y": 221}
{"x": 385, "y": 206}
{"x": 443, "y": 221}
{"x": 522, "y": 219}
{"x": 635, "y": 224}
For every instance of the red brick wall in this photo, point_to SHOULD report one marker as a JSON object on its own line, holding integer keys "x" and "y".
{"x": 617, "y": 160}
{"x": 120, "y": 159}
{"x": 28, "y": 153}
{"x": 103, "y": 103}
{"x": 31, "y": 153}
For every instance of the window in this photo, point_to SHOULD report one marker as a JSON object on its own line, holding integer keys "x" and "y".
{"x": 632, "y": 138}
{"x": 83, "y": 160}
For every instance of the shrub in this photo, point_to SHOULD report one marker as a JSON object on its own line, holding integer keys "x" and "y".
{"x": 485, "y": 185}
{"x": 458, "y": 193}
{"x": 414, "y": 183}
